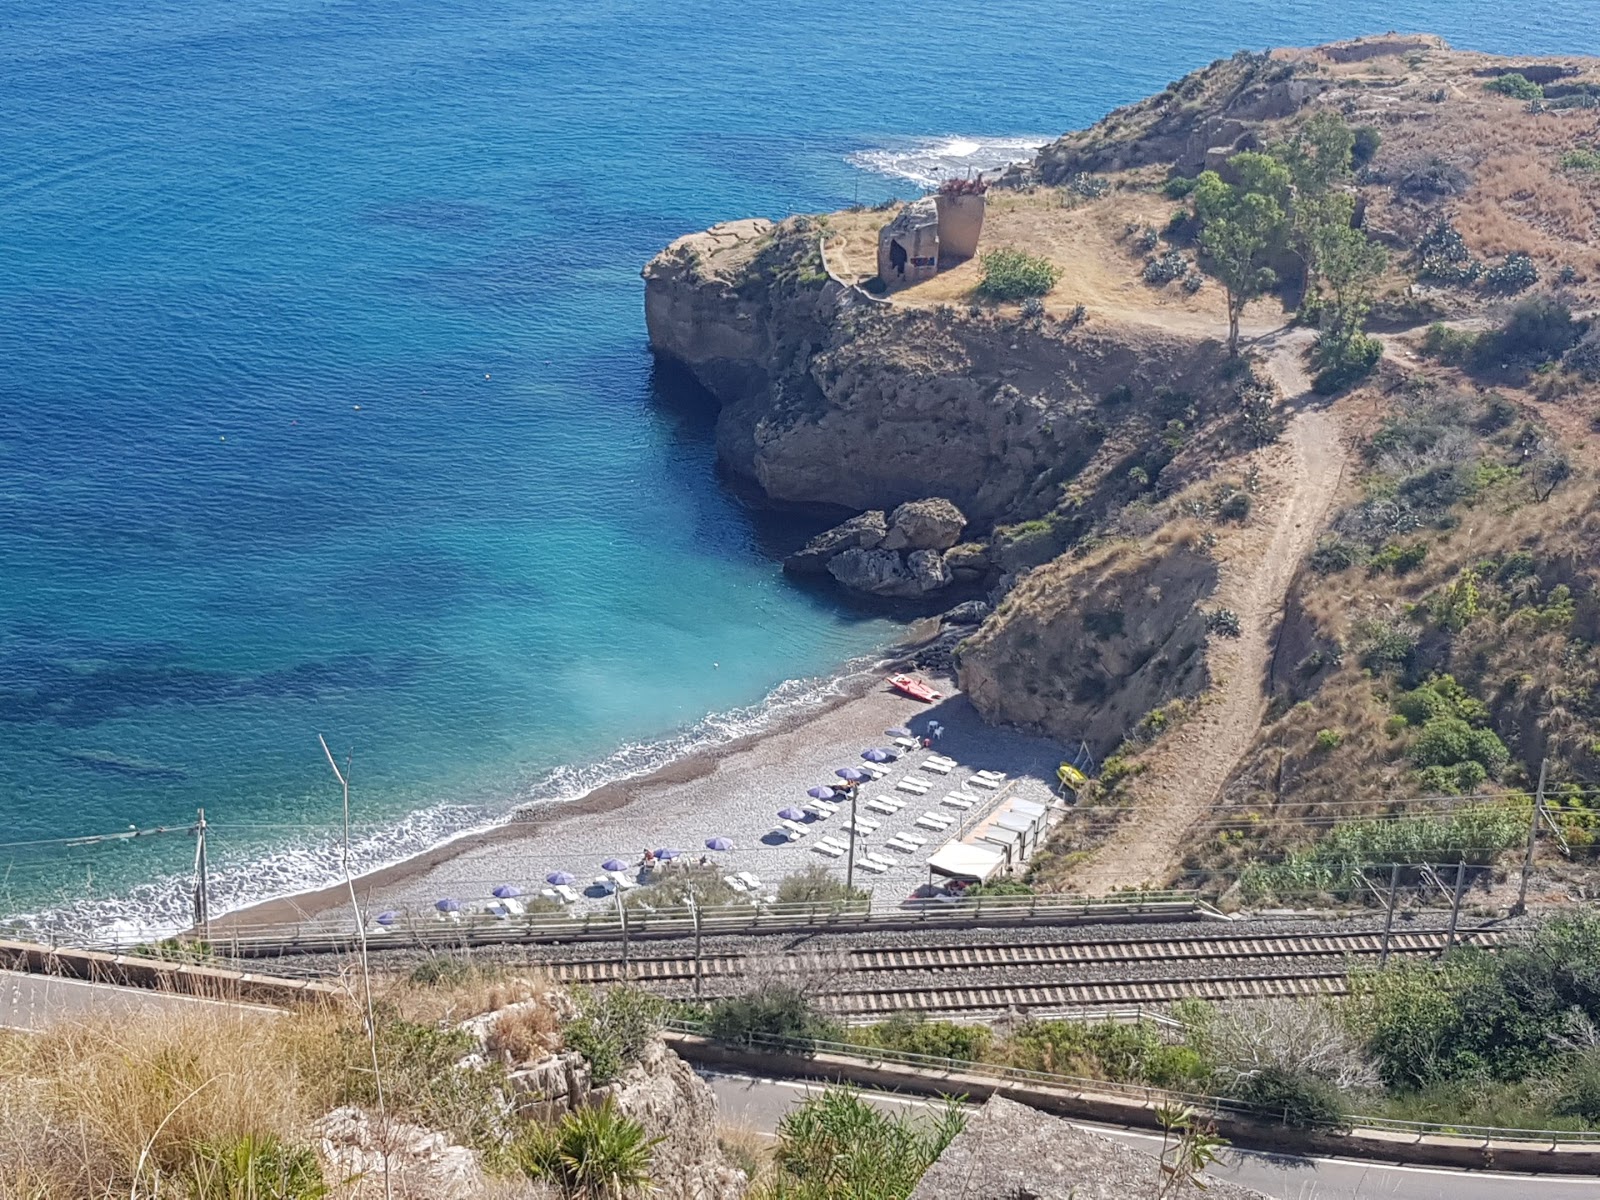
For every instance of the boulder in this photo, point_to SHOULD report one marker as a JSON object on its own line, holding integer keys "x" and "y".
{"x": 968, "y": 562}
{"x": 865, "y": 532}
{"x": 973, "y": 612}
{"x": 932, "y": 524}
{"x": 888, "y": 573}
{"x": 353, "y": 1143}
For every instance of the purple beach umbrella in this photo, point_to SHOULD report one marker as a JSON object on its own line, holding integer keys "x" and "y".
{"x": 448, "y": 904}
{"x": 792, "y": 813}
{"x": 851, "y": 774}
{"x": 718, "y": 844}
{"x": 613, "y": 864}
{"x": 879, "y": 756}
{"x": 506, "y": 891}
{"x": 560, "y": 878}
{"x": 668, "y": 854}
{"x": 819, "y": 793}
{"x": 387, "y": 918}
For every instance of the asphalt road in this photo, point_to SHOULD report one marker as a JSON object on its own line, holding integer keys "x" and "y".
{"x": 759, "y": 1103}
{"x": 30, "y": 1003}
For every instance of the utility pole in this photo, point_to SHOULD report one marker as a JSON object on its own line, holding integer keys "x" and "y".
{"x": 1388, "y": 921}
{"x": 850, "y": 863}
{"x": 1455, "y": 906}
{"x": 202, "y": 908}
{"x": 694, "y": 911}
{"x": 622, "y": 915}
{"x": 1533, "y": 836}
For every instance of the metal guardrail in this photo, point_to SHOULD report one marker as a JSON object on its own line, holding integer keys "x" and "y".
{"x": 1144, "y": 1094}
{"x": 247, "y": 941}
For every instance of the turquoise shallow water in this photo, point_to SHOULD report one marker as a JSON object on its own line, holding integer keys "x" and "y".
{"x": 325, "y": 403}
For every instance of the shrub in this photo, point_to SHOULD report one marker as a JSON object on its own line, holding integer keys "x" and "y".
{"x": 780, "y": 1012}
{"x": 1538, "y": 329}
{"x": 1333, "y": 554}
{"x": 1032, "y": 308}
{"x": 594, "y": 1153}
{"x": 1016, "y": 275}
{"x": 1581, "y": 160}
{"x": 612, "y": 1030}
{"x": 1447, "y": 741}
{"x": 1236, "y": 507}
{"x": 1386, "y": 647}
{"x": 255, "y": 1168}
{"x": 1453, "y": 347}
{"x": 1177, "y": 187}
{"x": 839, "y": 1145}
{"x": 1433, "y": 176}
{"x": 1515, "y": 274}
{"x": 1223, "y": 622}
{"x": 1516, "y": 85}
{"x": 1442, "y": 256}
{"x": 1330, "y": 739}
{"x": 1345, "y": 359}
{"x": 1091, "y": 187}
{"x": 1401, "y": 558}
{"x": 1166, "y": 268}
{"x": 913, "y": 1034}
{"x": 815, "y": 884}
{"x": 1294, "y": 1098}
{"x": 1365, "y": 147}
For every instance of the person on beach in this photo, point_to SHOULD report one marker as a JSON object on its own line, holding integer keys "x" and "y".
{"x": 649, "y": 859}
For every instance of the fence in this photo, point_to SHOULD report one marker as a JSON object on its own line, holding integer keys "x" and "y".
{"x": 641, "y": 923}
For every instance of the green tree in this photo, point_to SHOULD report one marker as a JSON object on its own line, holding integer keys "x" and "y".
{"x": 1240, "y": 225}
{"x": 1319, "y": 154}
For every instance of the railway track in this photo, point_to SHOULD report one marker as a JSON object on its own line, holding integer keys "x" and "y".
{"x": 961, "y": 979}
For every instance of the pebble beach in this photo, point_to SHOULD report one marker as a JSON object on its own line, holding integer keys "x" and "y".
{"x": 733, "y": 793}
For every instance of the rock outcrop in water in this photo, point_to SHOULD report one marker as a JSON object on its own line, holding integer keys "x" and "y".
{"x": 900, "y": 555}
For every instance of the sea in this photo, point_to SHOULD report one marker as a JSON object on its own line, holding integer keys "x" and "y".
{"x": 326, "y": 407}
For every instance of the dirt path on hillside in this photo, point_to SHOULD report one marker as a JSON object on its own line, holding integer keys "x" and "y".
{"x": 1300, "y": 476}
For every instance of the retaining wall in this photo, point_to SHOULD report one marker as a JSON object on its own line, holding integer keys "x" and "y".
{"x": 1565, "y": 1158}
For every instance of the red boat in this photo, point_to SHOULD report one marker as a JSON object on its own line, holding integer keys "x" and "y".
{"x": 917, "y": 689}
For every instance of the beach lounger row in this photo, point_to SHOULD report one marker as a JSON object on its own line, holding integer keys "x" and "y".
{"x": 937, "y": 767}
{"x": 742, "y": 881}
{"x": 920, "y": 786}
{"x": 958, "y": 800}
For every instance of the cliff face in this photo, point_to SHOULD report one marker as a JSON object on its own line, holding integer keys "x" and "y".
{"x": 1084, "y": 648}
{"x": 829, "y": 398}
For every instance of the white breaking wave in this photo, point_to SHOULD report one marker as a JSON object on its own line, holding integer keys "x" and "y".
{"x": 928, "y": 162}
{"x": 161, "y": 907}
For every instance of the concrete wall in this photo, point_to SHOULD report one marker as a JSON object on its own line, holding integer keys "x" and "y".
{"x": 1566, "y": 1158}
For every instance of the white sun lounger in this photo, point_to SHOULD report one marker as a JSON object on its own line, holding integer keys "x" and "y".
{"x": 920, "y": 786}
{"x": 622, "y": 880}
{"x": 907, "y": 743}
{"x": 820, "y": 811}
{"x": 934, "y": 820}
{"x": 967, "y": 796}
{"x": 866, "y": 864}
{"x": 750, "y": 881}
{"x": 907, "y": 835}
{"x": 984, "y": 782}
{"x": 735, "y": 883}
{"x": 880, "y": 806}
{"x": 938, "y": 768}
{"x": 794, "y": 829}
{"x": 874, "y": 770}
{"x": 827, "y": 848}
{"x": 899, "y": 843}
{"x": 954, "y": 801}
{"x": 568, "y": 896}
{"x": 943, "y": 758}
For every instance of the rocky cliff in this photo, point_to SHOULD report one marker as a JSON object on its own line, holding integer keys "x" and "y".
{"x": 828, "y": 398}
{"x": 1084, "y": 648}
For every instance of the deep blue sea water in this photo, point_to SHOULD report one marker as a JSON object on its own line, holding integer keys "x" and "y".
{"x": 325, "y": 403}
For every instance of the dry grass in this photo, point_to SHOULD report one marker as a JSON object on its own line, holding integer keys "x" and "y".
{"x": 746, "y": 1148}
{"x": 106, "y": 1108}
{"x": 524, "y": 1033}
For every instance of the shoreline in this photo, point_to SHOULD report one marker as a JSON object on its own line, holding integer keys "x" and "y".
{"x": 527, "y": 821}
{"x": 731, "y": 791}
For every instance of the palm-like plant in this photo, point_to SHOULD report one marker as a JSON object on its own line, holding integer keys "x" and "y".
{"x": 593, "y": 1154}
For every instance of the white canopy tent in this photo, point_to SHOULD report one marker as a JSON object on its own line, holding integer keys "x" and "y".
{"x": 958, "y": 860}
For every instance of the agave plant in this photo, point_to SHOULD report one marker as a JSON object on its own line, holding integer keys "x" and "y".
{"x": 592, "y": 1154}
